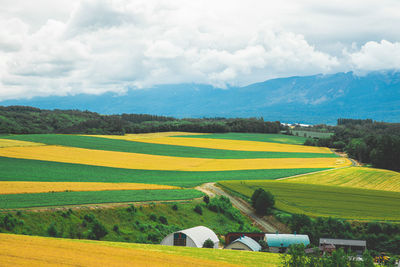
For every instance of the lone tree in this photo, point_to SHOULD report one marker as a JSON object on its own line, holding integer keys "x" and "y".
{"x": 263, "y": 201}
{"x": 208, "y": 244}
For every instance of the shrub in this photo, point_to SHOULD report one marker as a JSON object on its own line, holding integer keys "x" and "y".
{"x": 208, "y": 244}
{"x": 175, "y": 207}
{"x": 116, "y": 228}
{"x": 131, "y": 209}
{"x": 198, "y": 209}
{"x": 206, "y": 199}
{"x": 163, "y": 220}
{"x": 52, "y": 231}
{"x": 97, "y": 231}
{"x": 89, "y": 217}
{"x": 153, "y": 217}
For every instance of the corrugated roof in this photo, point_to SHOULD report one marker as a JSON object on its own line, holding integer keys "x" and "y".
{"x": 285, "y": 240}
{"x": 343, "y": 242}
{"x": 200, "y": 234}
{"x": 250, "y": 242}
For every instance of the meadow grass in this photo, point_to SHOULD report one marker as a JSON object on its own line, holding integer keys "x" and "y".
{"x": 358, "y": 177}
{"x": 322, "y": 200}
{"x": 13, "y": 201}
{"x": 110, "y": 144}
{"x": 13, "y": 169}
{"x": 30, "y": 251}
{"x": 156, "y": 162}
{"x": 273, "y": 138}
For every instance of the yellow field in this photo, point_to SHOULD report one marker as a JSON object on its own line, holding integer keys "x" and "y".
{"x": 44, "y": 187}
{"x": 145, "y": 135}
{"x": 239, "y": 145}
{"x": 358, "y": 177}
{"x": 13, "y": 143}
{"x": 155, "y": 162}
{"x": 19, "y": 250}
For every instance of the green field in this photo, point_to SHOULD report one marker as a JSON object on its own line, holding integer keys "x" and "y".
{"x": 322, "y": 200}
{"x": 274, "y": 138}
{"x": 46, "y": 171}
{"x": 93, "y": 197}
{"x": 157, "y": 149}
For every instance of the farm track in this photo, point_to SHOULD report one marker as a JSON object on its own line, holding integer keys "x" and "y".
{"x": 212, "y": 190}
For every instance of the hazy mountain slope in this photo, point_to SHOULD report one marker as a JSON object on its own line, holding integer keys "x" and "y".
{"x": 309, "y": 99}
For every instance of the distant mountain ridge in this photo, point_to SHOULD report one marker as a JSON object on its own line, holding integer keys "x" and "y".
{"x": 304, "y": 99}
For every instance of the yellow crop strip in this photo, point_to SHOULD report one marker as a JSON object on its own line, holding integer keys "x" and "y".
{"x": 13, "y": 143}
{"x": 155, "y": 162}
{"x": 238, "y": 145}
{"x": 359, "y": 177}
{"x": 20, "y": 250}
{"x": 44, "y": 187}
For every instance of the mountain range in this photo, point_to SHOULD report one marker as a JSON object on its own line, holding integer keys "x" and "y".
{"x": 303, "y": 99}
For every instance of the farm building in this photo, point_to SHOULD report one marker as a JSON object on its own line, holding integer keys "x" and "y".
{"x": 192, "y": 237}
{"x": 230, "y": 237}
{"x": 357, "y": 246}
{"x": 280, "y": 242}
{"x": 244, "y": 243}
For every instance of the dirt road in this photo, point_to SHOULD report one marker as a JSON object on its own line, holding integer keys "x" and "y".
{"x": 212, "y": 190}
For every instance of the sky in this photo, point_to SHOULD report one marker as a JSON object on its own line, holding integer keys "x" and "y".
{"x": 67, "y": 47}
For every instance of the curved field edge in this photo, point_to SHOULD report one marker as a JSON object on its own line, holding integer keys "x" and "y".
{"x": 327, "y": 201}
{"x": 273, "y": 138}
{"x": 14, "y": 201}
{"x": 357, "y": 177}
{"x": 222, "y": 144}
{"x": 30, "y": 251}
{"x": 110, "y": 144}
{"x": 155, "y": 162}
{"x": 46, "y": 171}
{"x": 23, "y": 187}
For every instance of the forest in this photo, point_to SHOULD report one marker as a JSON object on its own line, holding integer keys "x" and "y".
{"x": 30, "y": 120}
{"x": 368, "y": 141}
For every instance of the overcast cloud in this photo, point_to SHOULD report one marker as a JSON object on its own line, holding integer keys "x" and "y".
{"x": 71, "y": 46}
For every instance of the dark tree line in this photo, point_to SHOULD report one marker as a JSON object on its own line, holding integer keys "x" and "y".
{"x": 24, "y": 120}
{"x": 371, "y": 142}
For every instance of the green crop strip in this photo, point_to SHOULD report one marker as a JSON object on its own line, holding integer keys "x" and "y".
{"x": 93, "y": 197}
{"x": 46, "y": 171}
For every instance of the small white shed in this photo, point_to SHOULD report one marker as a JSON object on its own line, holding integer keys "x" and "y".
{"x": 192, "y": 237}
{"x": 244, "y": 243}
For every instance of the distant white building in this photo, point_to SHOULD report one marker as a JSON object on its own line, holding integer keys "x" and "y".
{"x": 192, "y": 237}
{"x": 244, "y": 243}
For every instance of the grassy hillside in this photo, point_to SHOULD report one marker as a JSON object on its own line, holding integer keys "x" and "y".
{"x": 46, "y": 171}
{"x": 274, "y": 138}
{"x": 139, "y": 223}
{"x": 23, "y": 251}
{"x": 321, "y": 200}
{"x": 357, "y": 177}
{"x": 141, "y": 146}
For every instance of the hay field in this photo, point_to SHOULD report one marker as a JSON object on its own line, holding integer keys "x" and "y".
{"x": 155, "y": 162}
{"x": 323, "y": 200}
{"x": 238, "y": 145}
{"x": 12, "y": 187}
{"x": 357, "y": 177}
{"x": 18, "y": 250}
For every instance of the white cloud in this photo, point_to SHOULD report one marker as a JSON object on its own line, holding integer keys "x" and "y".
{"x": 377, "y": 56}
{"x": 112, "y": 45}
